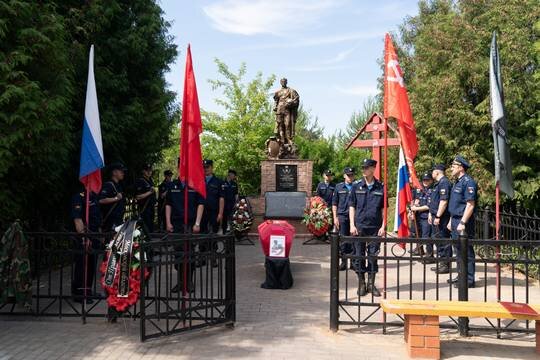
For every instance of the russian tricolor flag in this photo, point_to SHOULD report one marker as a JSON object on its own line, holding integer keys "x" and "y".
{"x": 92, "y": 159}
{"x": 403, "y": 197}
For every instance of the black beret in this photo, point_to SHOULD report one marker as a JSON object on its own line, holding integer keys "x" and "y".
{"x": 167, "y": 173}
{"x": 232, "y": 171}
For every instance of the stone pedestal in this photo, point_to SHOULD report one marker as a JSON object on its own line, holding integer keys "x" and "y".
{"x": 271, "y": 168}
{"x": 287, "y": 168}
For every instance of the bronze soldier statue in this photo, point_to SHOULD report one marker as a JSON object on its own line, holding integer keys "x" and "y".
{"x": 287, "y": 101}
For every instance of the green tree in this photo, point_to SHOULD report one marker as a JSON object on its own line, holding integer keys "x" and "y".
{"x": 36, "y": 88}
{"x": 444, "y": 51}
{"x": 43, "y": 75}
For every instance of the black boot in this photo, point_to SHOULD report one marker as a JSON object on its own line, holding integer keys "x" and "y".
{"x": 343, "y": 265}
{"x": 418, "y": 251}
{"x": 371, "y": 285}
{"x": 429, "y": 259}
{"x": 443, "y": 268}
{"x": 362, "y": 290}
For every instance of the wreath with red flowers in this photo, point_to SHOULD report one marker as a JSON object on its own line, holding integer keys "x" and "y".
{"x": 317, "y": 216}
{"x": 122, "y": 303}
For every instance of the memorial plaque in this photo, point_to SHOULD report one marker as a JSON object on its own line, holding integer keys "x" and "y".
{"x": 286, "y": 178}
{"x": 285, "y": 205}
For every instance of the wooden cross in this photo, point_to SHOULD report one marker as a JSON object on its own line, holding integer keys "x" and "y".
{"x": 375, "y": 127}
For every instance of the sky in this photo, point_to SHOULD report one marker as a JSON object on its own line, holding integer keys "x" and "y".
{"x": 327, "y": 49}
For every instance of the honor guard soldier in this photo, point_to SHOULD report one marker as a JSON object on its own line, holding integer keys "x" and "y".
{"x": 340, "y": 210}
{"x": 462, "y": 208}
{"x": 78, "y": 215}
{"x": 325, "y": 189}
{"x": 366, "y": 203}
{"x": 146, "y": 197}
{"x": 215, "y": 201}
{"x": 175, "y": 221}
{"x": 111, "y": 198}
{"x": 230, "y": 194}
{"x": 420, "y": 208}
{"x": 439, "y": 217}
{"x": 162, "y": 194}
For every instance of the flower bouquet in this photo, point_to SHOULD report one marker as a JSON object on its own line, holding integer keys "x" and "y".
{"x": 121, "y": 267}
{"x": 242, "y": 218}
{"x": 317, "y": 217}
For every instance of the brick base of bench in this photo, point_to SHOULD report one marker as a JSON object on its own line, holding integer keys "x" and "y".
{"x": 422, "y": 336}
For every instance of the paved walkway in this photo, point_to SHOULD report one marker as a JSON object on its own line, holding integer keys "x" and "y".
{"x": 271, "y": 324}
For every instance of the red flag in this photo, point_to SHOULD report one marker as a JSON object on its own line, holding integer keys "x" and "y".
{"x": 396, "y": 105}
{"x": 190, "y": 167}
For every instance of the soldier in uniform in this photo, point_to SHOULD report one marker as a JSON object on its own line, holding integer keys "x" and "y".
{"x": 162, "y": 194}
{"x": 366, "y": 203}
{"x": 420, "y": 207}
{"x": 78, "y": 215}
{"x": 340, "y": 210}
{"x": 462, "y": 208}
{"x": 439, "y": 216}
{"x": 230, "y": 194}
{"x": 111, "y": 198}
{"x": 214, "y": 206}
{"x": 215, "y": 200}
{"x": 325, "y": 189}
{"x": 146, "y": 197}
{"x": 175, "y": 221}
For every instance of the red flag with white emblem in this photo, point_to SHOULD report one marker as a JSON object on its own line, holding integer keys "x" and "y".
{"x": 396, "y": 105}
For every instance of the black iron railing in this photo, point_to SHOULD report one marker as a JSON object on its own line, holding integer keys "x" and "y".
{"x": 192, "y": 284}
{"x": 506, "y": 270}
{"x": 207, "y": 299}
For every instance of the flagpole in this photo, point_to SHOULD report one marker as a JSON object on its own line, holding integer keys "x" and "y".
{"x": 84, "y": 246}
{"x": 497, "y": 237}
{"x": 385, "y": 207}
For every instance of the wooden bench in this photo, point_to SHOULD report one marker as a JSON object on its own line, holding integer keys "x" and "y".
{"x": 422, "y": 320}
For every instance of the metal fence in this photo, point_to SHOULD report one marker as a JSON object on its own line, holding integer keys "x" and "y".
{"x": 506, "y": 270}
{"x": 209, "y": 298}
{"x": 192, "y": 284}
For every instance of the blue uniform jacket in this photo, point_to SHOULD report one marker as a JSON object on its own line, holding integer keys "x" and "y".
{"x": 464, "y": 190}
{"x": 341, "y": 199}
{"x": 143, "y": 185}
{"x": 78, "y": 210}
{"x": 441, "y": 191}
{"x": 326, "y": 192}
{"x": 214, "y": 191}
{"x": 175, "y": 198}
{"x": 368, "y": 204}
{"x": 112, "y": 213}
{"x": 229, "y": 190}
{"x": 424, "y": 198}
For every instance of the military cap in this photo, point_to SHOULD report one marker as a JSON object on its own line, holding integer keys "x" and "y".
{"x": 462, "y": 161}
{"x": 147, "y": 166}
{"x": 427, "y": 176}
{"x": 328, "y": 172}
{"x": 232, "y": 171}
{"x": 117, "y": 166}
{"x": 441, "y": 167}
{"x": 348, "y": 170}
{"x": 368, "y": 163}
{"x": 207, "y": 162}
{"x": 167, "y": 173}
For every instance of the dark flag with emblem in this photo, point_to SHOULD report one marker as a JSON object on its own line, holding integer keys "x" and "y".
{"x": 503, "y": 165}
